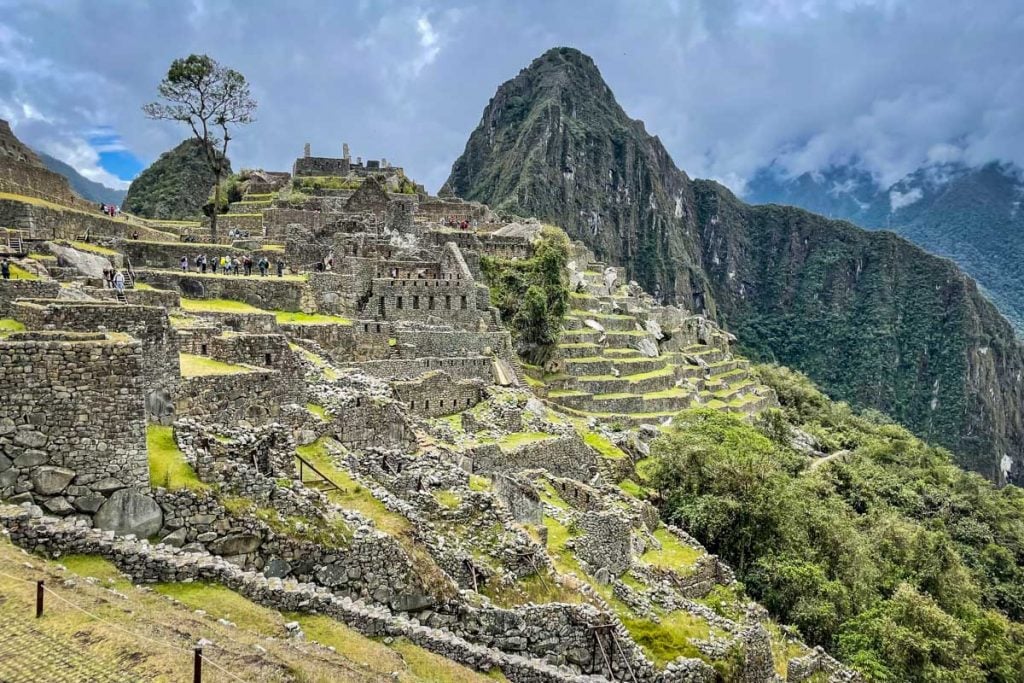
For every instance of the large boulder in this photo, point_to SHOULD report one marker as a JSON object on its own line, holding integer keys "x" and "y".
{"x": 235, "y": 544}
{"x": 87, "y": 263}
{"x": 49, "y": 481}
{"x": 129, "y": 512}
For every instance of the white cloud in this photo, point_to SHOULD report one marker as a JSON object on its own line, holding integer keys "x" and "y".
{"x": 899, "y": 200}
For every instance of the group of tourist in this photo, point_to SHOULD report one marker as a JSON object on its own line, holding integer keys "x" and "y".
{"x": 453, "y": 222}
{"x": 115, "y": 278}
{"x": 112, "y": 210}
{"x": 231, "y": 265}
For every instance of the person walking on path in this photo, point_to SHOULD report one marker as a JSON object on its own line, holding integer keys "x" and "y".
{"x": 119, "y": 281}
{"x": 184, "y": 264}
{"x": 280, "y": 267}
{"x": 263, "y": 265}
{"x": 5, "y": 268}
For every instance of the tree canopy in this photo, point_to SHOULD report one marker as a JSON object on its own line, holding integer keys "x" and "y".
{"x": 209, "y": 98}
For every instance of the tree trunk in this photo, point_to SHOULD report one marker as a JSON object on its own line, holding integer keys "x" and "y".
{"x": 216, "y": 208}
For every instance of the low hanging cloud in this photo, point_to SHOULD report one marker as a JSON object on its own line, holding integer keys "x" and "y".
{"x": 729, "y": 85}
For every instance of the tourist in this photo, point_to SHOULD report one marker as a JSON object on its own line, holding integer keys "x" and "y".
{"x": 225, "y": 264}
{"x": 213, "y": 265}
{"x": 247, "y": 264}
{"x": 184, "y": 264}
{"x": 280, "y": 267}
{"x": 119, "y": 282}
{"x": 135, "y": 234}
{"x": 236, "y": 265}
{"x": 263, "y": 265}
{"x": 5, "y": 268}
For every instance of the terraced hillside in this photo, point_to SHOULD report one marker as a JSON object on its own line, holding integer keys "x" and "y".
{"x": 615, "y": 362}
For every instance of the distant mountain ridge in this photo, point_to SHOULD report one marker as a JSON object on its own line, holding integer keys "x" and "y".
{"x": 85, "y": 188}
{"x": 971, "y": 215}
{"x": 871, "y": 317}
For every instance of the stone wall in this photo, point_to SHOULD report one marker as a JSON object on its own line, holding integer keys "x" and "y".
{"x": 370, "y": 423}
{"x": 321, "y": 166}
{"x": 49, "y": 223}
{"x": 148, "y": 324}
{"x": 478, "y": 367}
{"x": 145, "y": 254}
{"x": 256, "y": 396}
{"x": 25, "y": 289}
{"x": 72, "y": 420}
{"x": 419, "y": 343}
{"x": 271, "y": 293}
{"x": 564, "y": 456}
{"x": 436, "y": 393}
{"x": 453, "y": 302}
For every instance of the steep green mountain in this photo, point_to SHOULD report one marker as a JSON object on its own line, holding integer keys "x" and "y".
{"x": 971, "y": 215}
{"x": 85, "y": 188}
{"x": 872, "y": 318}
{"x": 175, "y": 187}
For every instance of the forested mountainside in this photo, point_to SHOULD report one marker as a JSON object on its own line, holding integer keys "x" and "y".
{"x": 176, "y": 186}
{"x": 872, "y": 318}
{"x": 969, "y": 214}
{"x": 86, "y": 189}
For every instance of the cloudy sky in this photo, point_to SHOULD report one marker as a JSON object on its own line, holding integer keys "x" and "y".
{"x": 728, "y": 85}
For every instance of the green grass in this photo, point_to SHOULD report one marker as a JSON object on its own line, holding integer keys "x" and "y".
{"x": 11, "y": 325}
{"x": 517, "y": 439}
{"x": 549, "y": 495}
{"x": 351, "y": 494}
{"x": 631, "y": 488}
{"x": 222, "y": 603}
{"x": 201, "y": 366}
{"x": 318, "y": 410}
{"x": 167, "y": 465}
{"x": 272, "y": 247}
{"x": 19, "y": 273}
{"x": 478, "y": 483}
{"x": 603, "y": 446}
{"x": 218, "y": 306}
{"x": 94, "y": 248}
{"x": 448, "y": 499}
{"x": 674, "y": 554}
{"x": 427, "y": 666}
{"x": 310, "y": 318}
{"x": 94, "y": 566}
{"x": 668, "y": 639}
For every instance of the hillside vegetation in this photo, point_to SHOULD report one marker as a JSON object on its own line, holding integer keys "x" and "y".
{"x": 886, "y": 553}
{"x": 175, "y": 187}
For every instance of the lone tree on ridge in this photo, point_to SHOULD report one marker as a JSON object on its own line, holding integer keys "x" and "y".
{"x": 207, "y": 96}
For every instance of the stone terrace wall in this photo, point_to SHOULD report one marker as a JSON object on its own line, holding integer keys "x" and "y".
{"x": 38, "y": 181}
{"x": 257, "y": 396}
{"x": 270, "y": 292}
{"x": 474, "y": 367}
{"x": 148, "y": 324}
{"x": 453, "y": 302}
{"x": 46, "y": 223}
{"x": 563, "y": 456}
{"x": 419, "y": 343}
{"x": 436, "y": 394}
{"x": 72, "y": 419}
{"x": 25, "y": 289}
{"x": 168, "y": 254}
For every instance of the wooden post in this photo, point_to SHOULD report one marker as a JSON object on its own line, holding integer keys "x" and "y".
{"x": 197, "y": 669}
{"x": 39, "y": 598}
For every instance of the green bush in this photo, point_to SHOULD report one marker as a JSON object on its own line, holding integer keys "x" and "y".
{"x": 532, "y": 294}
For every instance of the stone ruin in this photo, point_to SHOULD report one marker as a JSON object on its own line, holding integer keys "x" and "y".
{"x": 362, "y": 439}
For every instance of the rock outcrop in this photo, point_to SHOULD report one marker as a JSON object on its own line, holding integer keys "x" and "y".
{"x": 176, "y": 186}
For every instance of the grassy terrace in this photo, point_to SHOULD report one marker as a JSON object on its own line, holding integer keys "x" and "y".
{"x": 201, "y": 366}
{"x": 19, "y": 273}
{"x": 10, "y": 325}
{"x": 167, "y": 466}
{"x": 310, "y": 318}
{"x": 640, "y": 376}
{"x": 35, "y": 201}
{"x": 517, "y": 439}
{"x": 271, "y": 275}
